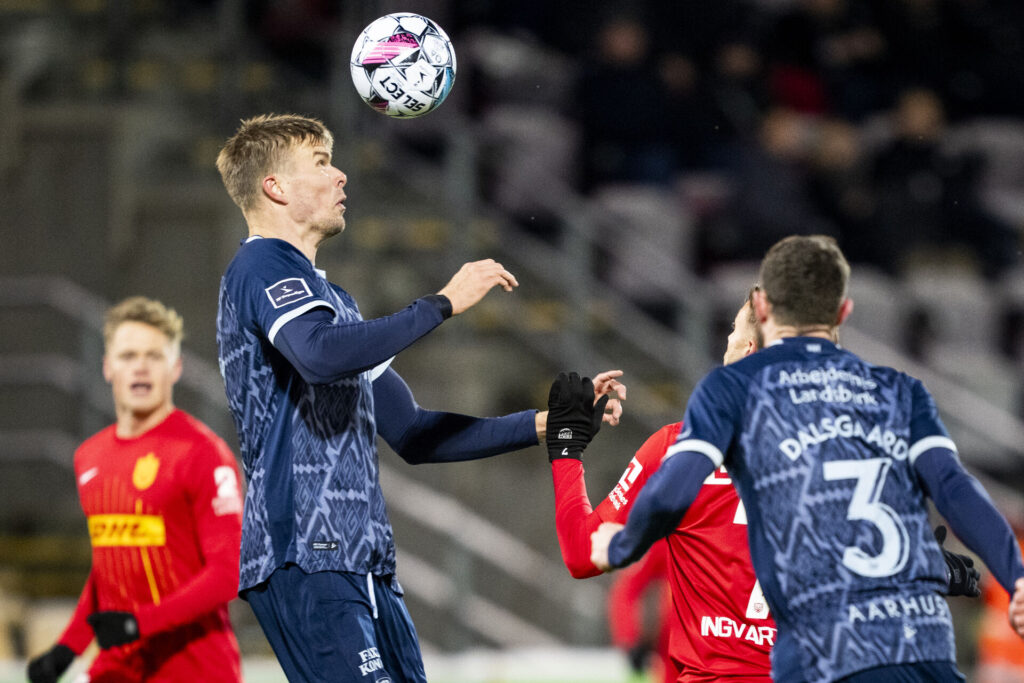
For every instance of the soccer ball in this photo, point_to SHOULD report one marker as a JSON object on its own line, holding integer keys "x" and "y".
{"x": 403, "y": 65}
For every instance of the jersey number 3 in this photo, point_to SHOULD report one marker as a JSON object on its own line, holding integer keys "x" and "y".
{"x": 865, "y": 506}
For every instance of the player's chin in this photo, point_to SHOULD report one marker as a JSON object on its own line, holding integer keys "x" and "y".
{"x": 331, "y": 228}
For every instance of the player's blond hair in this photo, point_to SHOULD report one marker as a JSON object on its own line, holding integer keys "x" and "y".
{"x": 257, "y": 148}
{"x": 151, "y": 312}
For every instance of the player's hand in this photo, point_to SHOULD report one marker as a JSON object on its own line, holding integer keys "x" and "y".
{"x": 1017, "y": 608}
{"x": 114, "y": 628}
{"x": 48, "y": 667}
{"x": 639, "y": 655}
{"x": 607, "y": 383}
{"x": 574, "y": 417}
{"x": 599, "y": 542}
{"x": 474, "y": 280}
{"x": 960, "y": 572}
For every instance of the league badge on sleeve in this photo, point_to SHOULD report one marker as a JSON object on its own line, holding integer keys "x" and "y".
{"x": 288, "y": 291}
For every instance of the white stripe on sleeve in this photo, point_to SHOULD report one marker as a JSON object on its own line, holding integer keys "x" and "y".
{"x": 696, "y": 446}
{"x": 928, "y": 443}
{"x": 295, "y": 313}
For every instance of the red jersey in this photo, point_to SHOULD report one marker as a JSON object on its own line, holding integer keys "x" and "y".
{"x": 164, "y": 516}
{"x": 720, "y": 623}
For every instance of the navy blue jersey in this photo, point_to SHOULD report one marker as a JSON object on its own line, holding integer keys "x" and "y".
{"x": 308, "y": 450}
{"x": 821, "y": 446}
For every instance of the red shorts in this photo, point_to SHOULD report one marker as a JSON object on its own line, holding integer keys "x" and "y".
{"x": 205, "y": 650}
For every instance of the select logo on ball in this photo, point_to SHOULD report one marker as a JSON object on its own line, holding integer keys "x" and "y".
{"x": 403, "y": 65}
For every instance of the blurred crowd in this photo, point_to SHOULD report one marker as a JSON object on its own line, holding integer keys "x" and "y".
{"x": 829, "y": 116}
{"x": 834, "y": 116}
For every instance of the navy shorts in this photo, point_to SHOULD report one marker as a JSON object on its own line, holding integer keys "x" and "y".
{"x": 919, "y": 672}
{"x": 337, "y": 626}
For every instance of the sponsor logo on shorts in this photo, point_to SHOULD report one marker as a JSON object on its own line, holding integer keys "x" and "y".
{"x": 288, "y": 291}
{"x": 371, "y": 662}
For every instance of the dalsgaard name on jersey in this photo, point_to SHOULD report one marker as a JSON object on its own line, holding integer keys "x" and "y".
{"x": 826, "y": 453}
{"x": 844, "y": 427}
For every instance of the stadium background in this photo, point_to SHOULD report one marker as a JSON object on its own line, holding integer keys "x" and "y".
{"x": 631, "y": 193}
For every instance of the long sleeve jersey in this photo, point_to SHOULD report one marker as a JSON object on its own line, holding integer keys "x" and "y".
{"x": 164, "y": 518}
{"x": 720, "y": 624}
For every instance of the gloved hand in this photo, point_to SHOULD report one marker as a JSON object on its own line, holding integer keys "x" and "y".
{"x": 639, "y": 655}
{"x": 113, "y": 628}
{"x": 48, "y": 667}
{"x": 573, "y": 416}
{"x": 960, "y": 572}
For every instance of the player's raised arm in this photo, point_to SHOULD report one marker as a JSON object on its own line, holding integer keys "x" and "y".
{"x": 472, "y": 282}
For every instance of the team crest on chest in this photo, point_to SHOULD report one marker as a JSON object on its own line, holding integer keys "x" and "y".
{"x": 145, "y": 471}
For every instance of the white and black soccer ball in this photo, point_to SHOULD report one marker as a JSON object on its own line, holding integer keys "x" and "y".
{"x": 403, "y": 65}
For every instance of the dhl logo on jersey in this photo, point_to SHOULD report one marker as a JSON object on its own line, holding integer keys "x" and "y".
{"x": 107, "y": 531}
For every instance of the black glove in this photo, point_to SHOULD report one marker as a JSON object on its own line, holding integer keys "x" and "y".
{"x": 960, "y": 572}
{"x": 638, "y": 655}
{"x": 113, "y": 628}
{"x": 573, "y": 417}
{"x": 47, "y": 667}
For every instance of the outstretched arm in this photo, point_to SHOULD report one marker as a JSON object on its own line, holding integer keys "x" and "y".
{"x": 575, "y": 520}
{"x": 429, "y": 436}
{"x": 970, "y": 512}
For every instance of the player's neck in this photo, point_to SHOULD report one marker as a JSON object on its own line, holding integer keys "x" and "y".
{"x": 304, "y": 240}
{"x": 130, "y": 424}
{"x": 773, "y": 332}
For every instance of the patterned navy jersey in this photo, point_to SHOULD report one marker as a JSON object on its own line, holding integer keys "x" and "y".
{"x": 308, "y": 450}
{"x": 821, "y": 446}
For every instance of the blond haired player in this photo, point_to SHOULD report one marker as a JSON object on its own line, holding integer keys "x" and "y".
{"x": 160, "y": 492}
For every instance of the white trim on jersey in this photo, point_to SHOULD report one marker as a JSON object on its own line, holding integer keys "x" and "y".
{"x": 928, "y": 443}
{"x": 378, "y": 370}
{"x": 373, "y": 596}
{"x": 293, "y": 314}
{"x": 696, "y": 446}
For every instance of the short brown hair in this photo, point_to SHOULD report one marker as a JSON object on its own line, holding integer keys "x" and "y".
{"x": 151, "y": 312}
{"x": 804, "y": 278}
{"x": 257, "y": 147}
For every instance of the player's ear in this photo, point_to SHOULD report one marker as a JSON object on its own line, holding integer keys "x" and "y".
{"x": 273, "y": 191}
{"x": 761, "y": 305}
{"x": 176, "y": 370}
{"x": 845, "y": 309}
{"x": 107, "y": 373}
